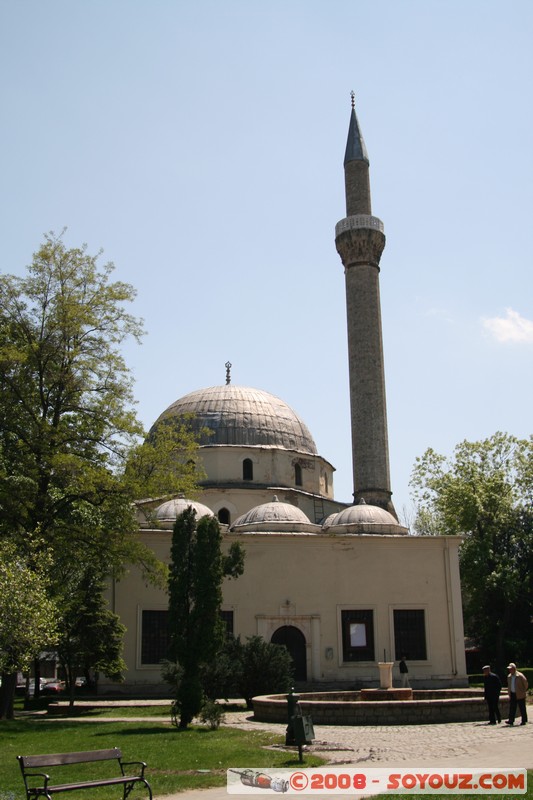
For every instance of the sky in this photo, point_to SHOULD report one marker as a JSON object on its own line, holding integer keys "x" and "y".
{"x": 200, "y": 145}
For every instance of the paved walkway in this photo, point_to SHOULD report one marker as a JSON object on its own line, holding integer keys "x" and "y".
{"x": 464, "y": 744}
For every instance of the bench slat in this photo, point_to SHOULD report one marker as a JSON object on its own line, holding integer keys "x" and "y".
{"x": 59, "y": 759}
{"x": 67, "y": 787}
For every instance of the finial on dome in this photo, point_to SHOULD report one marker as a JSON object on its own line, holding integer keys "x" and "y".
{"x": 362, "y": 502}
{"x": 352, "y": 95}
{"x": 228, "y": 366}
{"x": 275, "y": 499}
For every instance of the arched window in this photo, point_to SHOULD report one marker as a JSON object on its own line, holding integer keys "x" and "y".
{"x": 297, "y": 475}
{"x": 247, "y": 470}
{"x": 224, "y": 516}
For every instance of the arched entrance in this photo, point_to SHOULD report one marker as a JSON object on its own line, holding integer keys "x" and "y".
{"x": 294, "y": 641}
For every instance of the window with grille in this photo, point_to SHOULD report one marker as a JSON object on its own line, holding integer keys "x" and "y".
{"x": 154, "y": 637}
{"x": 227, "y": 619}
{"x": 410, "y": 634}
{"x": 357, "y": 635}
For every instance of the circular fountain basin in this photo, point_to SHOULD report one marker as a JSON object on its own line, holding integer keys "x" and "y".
{"x": 386, "y": 694}
{"x": 430, "y": 706}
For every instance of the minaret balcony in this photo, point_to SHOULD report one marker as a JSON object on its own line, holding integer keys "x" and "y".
{"x": 359, "y": 221}
{"x": 360, "y": 240}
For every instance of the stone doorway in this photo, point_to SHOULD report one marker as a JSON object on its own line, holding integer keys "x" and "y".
{"x": 294, "y": 641}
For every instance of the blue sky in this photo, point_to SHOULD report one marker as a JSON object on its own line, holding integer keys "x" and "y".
{"x": 200, "y": 144}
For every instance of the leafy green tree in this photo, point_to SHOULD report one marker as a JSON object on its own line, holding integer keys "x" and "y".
{"x": 72, "y": 459}
{"x": 485, "y": 493}
{"x": 90, "y": 639}
{"x": 66, "y": 408}
{"x": 166, "y": 463}
{"x": 196, "y": 571}
{"x": 27, "y": 620}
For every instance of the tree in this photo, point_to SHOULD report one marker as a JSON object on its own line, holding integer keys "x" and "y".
{"x": 197, "y": 568}
{"x": 27, "y": 621}
{"x": 90, "y": 639}
{"x": 221, "y": 676}
{"x": 72, "y": 460}
{"x": 66, "y": 410}
{"x": 485, "y": 493}
{"x": 166, "y": 463}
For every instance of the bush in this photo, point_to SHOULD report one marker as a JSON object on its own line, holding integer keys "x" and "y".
{"x": 172, "y": 673}
{"x": 266, "y": 668}
{"x": 240, "y": 670}
{"x": 221, "y": 677}
{"x": 212, "y": 714}
{"x": 477, "y": 680}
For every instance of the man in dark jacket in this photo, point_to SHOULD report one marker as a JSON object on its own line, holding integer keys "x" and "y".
{"x": 404, "y": 673}
{"x": 493, "y": 687}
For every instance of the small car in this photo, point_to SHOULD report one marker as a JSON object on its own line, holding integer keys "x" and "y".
{"x": 53, "y": 687}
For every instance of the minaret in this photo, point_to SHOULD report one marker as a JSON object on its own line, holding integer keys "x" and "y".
{"x": 360, "y": 240}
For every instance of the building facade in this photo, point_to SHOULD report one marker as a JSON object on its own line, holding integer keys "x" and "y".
{"x": 344, "y": 587}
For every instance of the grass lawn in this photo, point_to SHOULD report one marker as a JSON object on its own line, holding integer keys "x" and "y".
{"x": 124, "y": 712}
{"x": 177, "y": 760}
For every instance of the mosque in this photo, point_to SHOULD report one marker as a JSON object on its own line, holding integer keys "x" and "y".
{"x": 344, "y": 587}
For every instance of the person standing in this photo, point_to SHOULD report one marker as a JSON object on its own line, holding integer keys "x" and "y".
{"x": 404, "y": 673}
{"x": 492, "y": 688}
{"x": 517, "y": 689}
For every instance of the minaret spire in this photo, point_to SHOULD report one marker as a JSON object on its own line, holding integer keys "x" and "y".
{"x": 360, "y": 240}
{"x": 356, "y": 176}
{"x": 355, "y": 145}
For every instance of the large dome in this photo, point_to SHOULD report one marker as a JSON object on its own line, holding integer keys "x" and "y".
{"x": 240, "y": 415}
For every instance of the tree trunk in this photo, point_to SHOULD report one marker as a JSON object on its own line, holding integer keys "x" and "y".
{"x": 71, "y": 680}
{"x": 37, "y": 674}
{"x": 7, "y": 694}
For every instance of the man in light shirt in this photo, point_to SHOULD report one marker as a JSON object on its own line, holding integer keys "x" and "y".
{"x": 517, "y": 688}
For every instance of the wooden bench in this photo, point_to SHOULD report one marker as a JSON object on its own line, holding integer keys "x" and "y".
{"x": 39, "y": 784}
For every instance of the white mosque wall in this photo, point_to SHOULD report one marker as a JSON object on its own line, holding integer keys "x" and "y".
{"x": 313, "y": 582}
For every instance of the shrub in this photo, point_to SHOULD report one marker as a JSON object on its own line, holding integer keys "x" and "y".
{"x": 266, "y": 668}
{"x": 212, "y": 714}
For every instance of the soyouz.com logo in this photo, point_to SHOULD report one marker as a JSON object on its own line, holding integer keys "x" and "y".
{"x": 350, "y": 781}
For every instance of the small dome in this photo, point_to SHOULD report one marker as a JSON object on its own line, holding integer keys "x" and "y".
{"x": 240, "y": 415}
{"x": 327, "y": 521}
{"x": 362, "y": 518}
{"x": 167, "y": 513}
{"x": 274, "y": 516}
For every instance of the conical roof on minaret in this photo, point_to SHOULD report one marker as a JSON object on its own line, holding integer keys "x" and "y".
{"x": 355, "y": 146}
